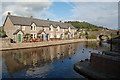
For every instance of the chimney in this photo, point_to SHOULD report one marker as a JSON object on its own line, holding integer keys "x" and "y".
{"x": 31, "y": 16}
{"x": 8, "y": 13}
{"x": 60, "y": 21}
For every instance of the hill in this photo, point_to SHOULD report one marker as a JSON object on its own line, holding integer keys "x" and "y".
{"x": 85, "y": 25}
{"x": 2, "y": 33}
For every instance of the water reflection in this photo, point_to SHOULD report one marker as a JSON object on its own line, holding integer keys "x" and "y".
{"x": 17, "y": 60}
{"x": 39, "y": 62}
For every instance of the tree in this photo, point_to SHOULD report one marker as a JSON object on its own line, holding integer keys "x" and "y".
{"x": 2, "y": 33}
{"x": 85, "y": 25}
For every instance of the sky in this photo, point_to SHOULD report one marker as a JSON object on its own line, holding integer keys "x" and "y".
{"x": 102, "y": 13}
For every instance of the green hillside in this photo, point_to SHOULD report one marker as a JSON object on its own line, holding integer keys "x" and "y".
{"x": 2, "y": 33}
{"x": 85, "y": 25}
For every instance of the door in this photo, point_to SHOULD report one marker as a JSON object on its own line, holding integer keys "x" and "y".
{"x": 61, "y": 36}
{"x": 19, "y": 38}
{"x": 47, "y": 37}
{"x": 68, "y": 36}
{"x": 42, "y": 36}
{"x": 51, "y": 36}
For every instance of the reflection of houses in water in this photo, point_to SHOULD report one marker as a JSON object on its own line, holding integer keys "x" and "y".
{"x": 96, "y": 45}
{"x": 52, "y": 52}
{"x": 11, "y": 63}
{"x": 38, "y": 71}
{"x": 38, "y": 58}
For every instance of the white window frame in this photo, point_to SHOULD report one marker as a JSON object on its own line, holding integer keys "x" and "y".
{"x": 63, "y": 30}
{"x": 51, "y": 27}
{"x": 69, "y": 29}
{"x": 44, "y": 29}
{"x": 51, "y": 35}
{"x": 23, "y": 27}
{"x": 34, "y": 35}
{"x": 33, "y": 27}
{"x": 58, "y": 28}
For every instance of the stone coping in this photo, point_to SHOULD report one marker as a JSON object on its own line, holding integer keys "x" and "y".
{"x": 112, "y": 53}
{"x": 10, "y": 46}
{"x": 117, "y": 58}
{"x": 85, "y": 69}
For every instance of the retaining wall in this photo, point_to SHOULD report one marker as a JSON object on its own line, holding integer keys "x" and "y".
{"x": 105, "y": 63}
{"x": 39, "y": 44}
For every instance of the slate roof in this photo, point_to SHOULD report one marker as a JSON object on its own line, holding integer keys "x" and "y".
{"x": 41, "y": 31}
{"x": 76, "y": 32}
{"x": 18, "y": 31}
{"x": 67, "y": 32}
{"x": 16, "y": 20}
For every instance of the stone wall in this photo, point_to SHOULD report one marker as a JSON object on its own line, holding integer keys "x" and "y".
{"x": 105, "y": 63}
{"x": 5, "y": 41}
{"x": 39, "y": 44}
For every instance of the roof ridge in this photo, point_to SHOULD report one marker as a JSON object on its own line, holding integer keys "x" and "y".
{"x": 40, "y": 22}
{"x": 37, "y": 19}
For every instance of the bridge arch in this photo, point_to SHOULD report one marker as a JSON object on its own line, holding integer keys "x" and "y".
{"x": 103, "y": 37}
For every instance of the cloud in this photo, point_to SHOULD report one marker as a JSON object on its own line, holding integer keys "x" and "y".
{"x": 98, "y": 13}
{"x": 0, "y": 13}
{"x": 26, "y": 0}
{"x": 60, "y": 0}
{"x": 25, "y": 8}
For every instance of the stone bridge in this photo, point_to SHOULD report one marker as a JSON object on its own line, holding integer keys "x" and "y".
{"x": 103, "y": 35}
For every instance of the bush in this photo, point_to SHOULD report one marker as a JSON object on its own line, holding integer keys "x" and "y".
{"x": 86, "y": 33}
{"x": 91, "y": 37}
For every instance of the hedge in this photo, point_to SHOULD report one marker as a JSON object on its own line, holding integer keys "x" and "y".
{"x": 91, "y": 37}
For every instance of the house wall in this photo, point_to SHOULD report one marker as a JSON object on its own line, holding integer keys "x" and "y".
{"x": 28, "y": 29}
{"x": 9, "y": 28}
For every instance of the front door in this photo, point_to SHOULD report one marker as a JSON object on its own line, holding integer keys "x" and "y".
{"x": 42, "y": 37}
{"x": 61, "y": 36}
{"x": 47, "y": 37}
{"x": 19, "y": 38}
{"x": 68, "y": 36}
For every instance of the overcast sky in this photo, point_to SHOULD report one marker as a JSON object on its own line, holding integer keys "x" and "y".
{"x": 98, "y": 13}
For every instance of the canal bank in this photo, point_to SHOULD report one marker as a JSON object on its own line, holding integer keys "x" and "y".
{"x": 10, "y": 46}
{"x": 100, "y": 66}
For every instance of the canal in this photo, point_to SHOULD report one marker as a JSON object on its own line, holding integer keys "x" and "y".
{"x": 48, "y": 62}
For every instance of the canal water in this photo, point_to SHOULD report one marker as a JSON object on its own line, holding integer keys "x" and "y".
{"x": 48, "y": 62}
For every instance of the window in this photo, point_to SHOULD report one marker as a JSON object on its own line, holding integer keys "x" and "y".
{"x": 34, "y": 35}
{"x": 69, "y": 28}
{"x": 33, "y": 28}
{"x": 58, "y": 28}
{"x": 44, "y": 29}
{"x": 23, "y": 27}
{"x": 51, "y": 29}
{"x": 63, "y": 30}
{"x": 51, "y": 36}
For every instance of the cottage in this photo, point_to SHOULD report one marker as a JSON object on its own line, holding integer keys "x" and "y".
{"x": 28, "y": 28}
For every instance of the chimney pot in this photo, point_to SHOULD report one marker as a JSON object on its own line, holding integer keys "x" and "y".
{"x": 31, "y": 16}
{"x": 8, "y": 13}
